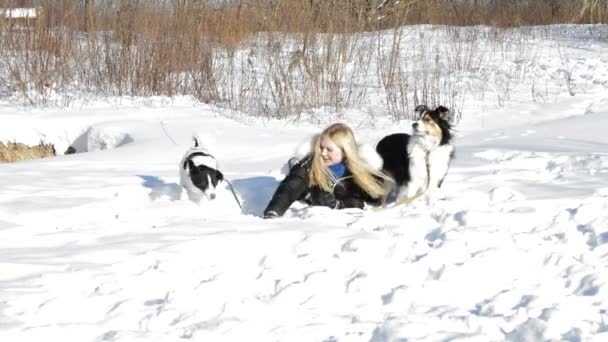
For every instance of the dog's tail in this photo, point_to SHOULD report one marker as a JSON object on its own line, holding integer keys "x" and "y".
{"x": 203, "y": 140}
{"x": 370, "y": 156}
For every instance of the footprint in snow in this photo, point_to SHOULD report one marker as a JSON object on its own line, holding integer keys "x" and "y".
{"x": 504, "y": 194}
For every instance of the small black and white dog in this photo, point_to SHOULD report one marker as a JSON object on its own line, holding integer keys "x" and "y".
{"x": 418, "y": 163}
{"x": 199, "y": 173}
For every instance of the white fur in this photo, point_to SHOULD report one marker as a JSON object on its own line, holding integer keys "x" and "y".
{"x": 368, "y": 154}
{"x": 424, "y": 149}
{"x": 195, "y": 194}
{"x": 206, "y": 141}
{"x": 203, "y": 160}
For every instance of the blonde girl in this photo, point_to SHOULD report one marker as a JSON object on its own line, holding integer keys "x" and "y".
{"x": 334, "y": 174}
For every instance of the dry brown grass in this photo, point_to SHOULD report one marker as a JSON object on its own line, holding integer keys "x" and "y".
{"x": 12, "y": 152}
{"x": 235, "y": 53}
{"x": 496, "y": 12}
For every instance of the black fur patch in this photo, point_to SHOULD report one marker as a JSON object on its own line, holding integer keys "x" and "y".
{"x": 201, "y": 175}
{"x": 393, "y": 150}
{"x": 195, "y": 154}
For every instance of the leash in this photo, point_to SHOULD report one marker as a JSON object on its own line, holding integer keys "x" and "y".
{"x": 234, "y": 194}
{"x": 415, "y": 197}
{"x": 162, "y": 125}
{"x": 333, "y": 187}
{"x": 236, "y": 198}
{"x": 403, "y": 201}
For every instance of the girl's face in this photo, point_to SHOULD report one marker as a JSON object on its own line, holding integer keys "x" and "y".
{"x": 330, "y": 152}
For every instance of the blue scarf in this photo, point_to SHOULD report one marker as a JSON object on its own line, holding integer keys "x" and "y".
{"x": 338, "y": 170}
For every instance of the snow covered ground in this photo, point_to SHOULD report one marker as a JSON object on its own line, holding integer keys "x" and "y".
{"x": 100, "y": 246}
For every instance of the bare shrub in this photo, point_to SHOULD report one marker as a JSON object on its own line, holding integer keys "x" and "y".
{"x": 284, "y": 76}
{"x": 417, "y": 68}
{"x": 495, "y": 12}
{"x": 393, "y": 77}
{"x": 279, "y": 58}
{"x": 593, "y": 11}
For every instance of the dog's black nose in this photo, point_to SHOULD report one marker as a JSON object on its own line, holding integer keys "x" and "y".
{"x": 212, "y": 196}
{"x": 415, "y": 125}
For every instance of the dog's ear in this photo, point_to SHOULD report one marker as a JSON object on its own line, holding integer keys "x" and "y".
{"x": 444, "y": 113}
{"x": 419, "y": 110}
{"x": 192, "y": 167}
{"x": 219, "y": 175}
{"x": 195, "y": 141}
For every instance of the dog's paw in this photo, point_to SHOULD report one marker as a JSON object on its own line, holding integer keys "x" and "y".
{"x": 271, "y": 214}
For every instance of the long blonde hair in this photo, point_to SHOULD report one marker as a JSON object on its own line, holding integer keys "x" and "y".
{"x": 364, "y": 176}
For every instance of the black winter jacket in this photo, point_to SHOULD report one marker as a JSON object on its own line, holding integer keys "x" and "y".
{"x": 346, "y": 193}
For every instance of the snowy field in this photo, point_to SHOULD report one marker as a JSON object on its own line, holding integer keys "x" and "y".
{"x": 101, "y": 246}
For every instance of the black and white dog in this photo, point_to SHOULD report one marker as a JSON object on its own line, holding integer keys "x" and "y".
{"x": 199, "y": 173}
{"x": 418, "y": 163}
